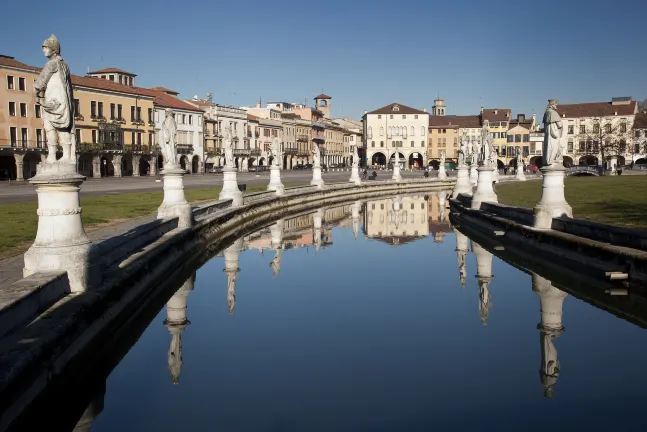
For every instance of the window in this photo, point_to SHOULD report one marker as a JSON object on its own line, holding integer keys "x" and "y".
{"x": 139, "y": 138}
{"x": 23, "y": 110}
{"x": 12, "y": 109}
{"x": 13, "y": 136}
{"x": 112, "y": 111}
{"x": 120, "y": 79}
{"x": 582, "y": 146}
{"x": 379, "y": 116}
{"x": 37, "y": 111}
{"x": 100, "y": 110}
{"x": 381, "y": 143}
{"x": 415, "y": 117}
{"x": 404, "y": 117}
{"x": 607, "y": 128}
{"x": 391, "y": 116}
{"x": 23, "y": 137}
{"x": 21, "y": 84}
{"x": 596, "y": 128}
{"x": 150, "y": 139}
{"x": 582, "y": 129}
{"x": 184, "y": 119}
{"x": 372, "y": 143}
{"x": 10, "y": 84}
{"x": 39, "y": 138}
{"x": 517, "y": 138}
{"x": 422, "y": 130}
{"x": 111, "y": 77}
{"x": 431, "y": 142}
{"x": 78, "y": 135}
{"x": 77, "y": 108}
{"x": 510, "y": 138}
{"x": 93, "y": 109}
{"x": 191, "y": 121}
{"x": 119, "y": 116}
{"x": 623, "y": 127}
{"x": 132, "y": 137}
{"x": 94, "y": 136}
{"x": 526, "y": 138}
{"x": 412, "y": 144}
{"x": 150, "y": 115}
{"x": 139, "y": 114}
{"x": 570, "y": 129}
{"x": 132, "y": 113}
{"x": 413, "y": 131}
{"x": 370, "y": 131}
{"x": 422, "y": 143}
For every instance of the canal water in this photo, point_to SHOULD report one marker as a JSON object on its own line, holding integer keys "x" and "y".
{"x": 362, "y": 317}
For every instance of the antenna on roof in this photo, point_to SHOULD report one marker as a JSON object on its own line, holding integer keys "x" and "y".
{"x": 88, "y": 71}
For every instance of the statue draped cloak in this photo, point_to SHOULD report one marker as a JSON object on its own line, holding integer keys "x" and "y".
{"x": 58, "y": 103}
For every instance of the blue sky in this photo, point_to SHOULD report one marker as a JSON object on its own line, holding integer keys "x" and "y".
{"x": 365, "y": 54}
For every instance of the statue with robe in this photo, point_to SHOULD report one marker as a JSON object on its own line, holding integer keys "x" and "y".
{"x": 553, "y": 132}
{"x": 169, "y": 138}
{"x": 484, "y": 301}
{"x": 355, "y": 157}
{"x": 231, "y": 290}
{"x": 462, "y": 152}
{"x": 462, "y": 268}
{"x": 442, "y": 159}
{"x": 275, "y": 151}
{"x": 53, "y": 92}
{"x": 316, "y": 155}
{"x": 397, "y": 159}
{"x": 229, "y": 148}
{"x": 519, "y": 162}
{"x": 175, "y": 354}
{"x": 484, "y": 155}
{"x": 549, "y": 371}
{"x": 493, "y": 157}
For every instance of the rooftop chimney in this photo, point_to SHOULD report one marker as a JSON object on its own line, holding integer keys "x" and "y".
{"x": 496, "y": 111}
{"x": 424, "y": 109}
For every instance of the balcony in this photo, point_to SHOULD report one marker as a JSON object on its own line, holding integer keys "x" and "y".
{"x": 242, "y": 152}
{"x": 22, "y": 143}
{"x": 255, "y": 152}
{"x": 184, "y": 148}
{"x": 318, "y": 125}
{"x": 79, "y": 117}
{"x": 214, "y": 151}
{"x": 319, "y": 138}
{"x": 138, "y": 122}
{"x": 303, "y": 138}
{"x": 291, "y": 151}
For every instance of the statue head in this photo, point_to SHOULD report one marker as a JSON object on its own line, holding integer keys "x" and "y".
{"x": 169, "y": 113}
{"x": 552, "y": 103}
{"x": 51, "y": 46}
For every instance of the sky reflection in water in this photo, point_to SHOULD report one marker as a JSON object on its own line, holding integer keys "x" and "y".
{"x": 374, "y": 333}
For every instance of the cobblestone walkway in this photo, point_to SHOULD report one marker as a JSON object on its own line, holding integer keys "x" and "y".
{"x": 11, "y": 268}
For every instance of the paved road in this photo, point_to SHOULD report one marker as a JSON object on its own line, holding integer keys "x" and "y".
{"x": 24, "y": 192}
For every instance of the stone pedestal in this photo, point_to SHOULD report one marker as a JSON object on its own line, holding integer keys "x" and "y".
{"x": 520, "y": 175}
{"x": 484, "y": 191}
{"x": 461, "y": 252}
{"x": 230, "y": 186}
{"x": 175, "y": 322}
{"x": 463, "y": 184}
{"x": 442, "y": 174}
{"x": 551, "y": 300}
{"x": 19, "y": 158}
{"x": 232, "y": 254}
{"x": 275, "y": 181}
{"x": 553, "y": 203}
{"x": 474, "y": 174}
{"x": 96, "y": 167}
{"x": 61, "y": 242}
{"x": 396, "y": 172}
{"x": 354, "y": 175}
{"x": 316, "y": 177}
{"x": 175, "y": 203}
{"x": 355, "y": 210}
{"x": 484, "y": 277}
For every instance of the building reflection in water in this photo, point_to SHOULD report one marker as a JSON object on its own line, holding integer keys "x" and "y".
{"x": 396, "y": 220}
{"x": 175, "y": 322}
{"x": 462, "y": 249}
{"x": 232, "y": 254}
{"x": 484, "y": 277}
{"x": 551, "y": 300}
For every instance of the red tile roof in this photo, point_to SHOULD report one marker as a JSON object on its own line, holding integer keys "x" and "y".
{"x": 11, "y": 62}
{"x": 402, "y": 109}
{"x": 497, "y": 114}
{"x": 323, "y": 96}
{"x": 640, "y": 122}
{"x": 200, "y": 102}
{"x": 167, "y": 101}
{"x": 454, "y": 121}
{"x": 166, "y": 90}
{"x": 596, "y": 109}
{"x": 104, "y": 84}
{"x": 251, "y": 117}
{"x": 112, "y": 70}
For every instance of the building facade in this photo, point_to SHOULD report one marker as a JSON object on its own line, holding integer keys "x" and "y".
{"x": 518, "y": 140}
{"x": 443, "y": 136}
{"x": 396, "y": 127}
{"x": 498, "y": 121}
{"x": 640, "y": 138}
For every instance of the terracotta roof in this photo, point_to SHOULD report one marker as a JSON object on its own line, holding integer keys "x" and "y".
{"x": 640, "y": 122}
{"x": 496, "y": 114}
{"x": 165, "y": 90}
{"x": 471, "y": 121}
{"x": 251, "y": 117}
{"x": 11, "y": 62}
{"x": 290, "y": 116}
{"x": 402, "y": 109}
{"x": 524, "y": 124}
{"x": 596, "y": 109}
{"x": 112, "y": 70}
{"x": 323, "y": 96}
{"x": 167, "y": 101}
{"x": 200, "y": 102}
{"x": 104, "y": 84}
{"x": 442, "y": 121}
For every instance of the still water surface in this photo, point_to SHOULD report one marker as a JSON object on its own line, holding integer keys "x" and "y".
{"x": 301, "y": 328}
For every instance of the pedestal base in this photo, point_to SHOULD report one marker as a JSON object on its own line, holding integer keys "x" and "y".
{"x": 474, "y": 175}
{"x": 230, "y": 187}
{"x": 553, "y": 203}
{"x": 484, "y": 191}
{"x": 441, "y": 173}
{"x": 520, "y": 176}
{"x": 275, "y": 181}
{"x": 316, "y": 177}
{"x": 463, "y": 185}
{"x": 175, "y": 203}
{"x": 396, "y": 173}
{"x": 354, "y": 176}
{"x": 61, "y": 242}
{"x": 495, "y": 175}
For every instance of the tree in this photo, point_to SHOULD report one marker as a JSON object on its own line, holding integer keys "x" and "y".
{"x": 642, "y": 106}
{"x": 603, "y": 136}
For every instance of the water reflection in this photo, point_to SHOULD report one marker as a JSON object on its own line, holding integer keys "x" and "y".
{"x": 361, "y": 349}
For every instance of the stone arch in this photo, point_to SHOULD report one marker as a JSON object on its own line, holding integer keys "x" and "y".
{"x": 536, "y": 161}
{"x": 568, "y": 161}
{"x": 261, "y": 162}
{"x": 127, "y": 164}
{"x": 183, "y": 162}
{"x": 499, "y": 164}
{"x": 435, "y": 163}
{"x": 270, "y": 160}
{"x": 86, "y": 161}
{"x": 416, "y": 160}
{"x": 29, "y": 163}
{"x": 287, "y": 162}
{"x": 145, "y": 165}
{"x": 378, "y": 158}
{"x": 195, "y": 164}
{"x": 107, "y": 167}
{"x": 251, "y": 163}
{"x": 641, "y": 161}
{"x": 7, "y": 167}
{"x": 588, "y": 160}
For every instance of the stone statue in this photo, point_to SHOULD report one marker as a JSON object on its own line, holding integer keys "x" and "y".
{"x": 493, "y": 157}
{"x": 275, "y": 151}
{"x": 553, "y": 132}
{"x": 355, "y": 157}
{"x": 484, "y": 155}
{"x": 519, "y": 162}
{"x": 316, "y": 155}
{"x": 549, "y": 364}
{"x": 476, "y": 151}
{"x": 462, "y": 152}
{"x": 229, "y": 148}
{"x": 169, "y": 138}
{"x": 53, "y": 92}
{"x": 397, "y": 159}
{"x": 485, "y": 132}
{"x": 442, "y": 158}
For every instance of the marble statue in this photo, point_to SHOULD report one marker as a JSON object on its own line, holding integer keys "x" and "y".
{"x": 493, "y": 157}
{"x": 355, "y": 157}
{"x": 275, "y": 151}
{"x": 442, "y": 158}
{"x": 53, "y": 92}
{"x": 229, "y": 148}
{"x": 484, "y": 155}
{"x": 549, "y": 365}
{"x": 462, "y": 152}
{"x": 169, "y": 138}
{"x": 476, "y": 152}
{"x": 519, "y": 162}
{"x": 316, "y": 155}
{"x": 397, "y": 159}
{"x": 553, "y": 132}
{"x": 485, "y": 133}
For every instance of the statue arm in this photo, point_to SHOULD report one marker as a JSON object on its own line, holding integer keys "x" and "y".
{"x": 51, "y": 67}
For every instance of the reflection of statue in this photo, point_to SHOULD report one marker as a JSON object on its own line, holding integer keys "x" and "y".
{"x": 231, "y": 290}
{"x": 276, "y": 262}
{"x": 275, "y": 151}
{"x": 229, "y": 148}
{"x": 53, "y": 92}
{"x": 462, "y": 269}
{"x": 442, "y": 158}
{"x": 553, "y": 131}
{"x": 549, "y": 364}
{"x": 397, "y": 158}
{"x": 169, "y": 138}
{"x": 484, "y": 301}
{"x": 175, "y": 354}
{"x": 316, "y": 155}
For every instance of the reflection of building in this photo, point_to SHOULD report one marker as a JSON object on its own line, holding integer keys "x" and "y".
{"x": 551, "y": 300}
{"x": 396, "y": 220}
{"x": 438, "y": 224}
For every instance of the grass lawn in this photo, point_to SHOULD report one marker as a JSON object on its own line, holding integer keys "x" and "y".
{"x": 19, "y": 220}
{"x": 620, "y": 200}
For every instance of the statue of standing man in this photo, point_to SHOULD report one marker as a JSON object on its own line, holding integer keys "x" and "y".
{"x": 553, "y": 132}
{"x": 229, "y": 148}
{"x": 275, "y": 151}
{"x": 53, "y": 92}
{"x": 169, "y": 139}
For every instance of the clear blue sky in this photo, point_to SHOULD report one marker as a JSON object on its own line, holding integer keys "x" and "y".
{"x": 365, "y": 54}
